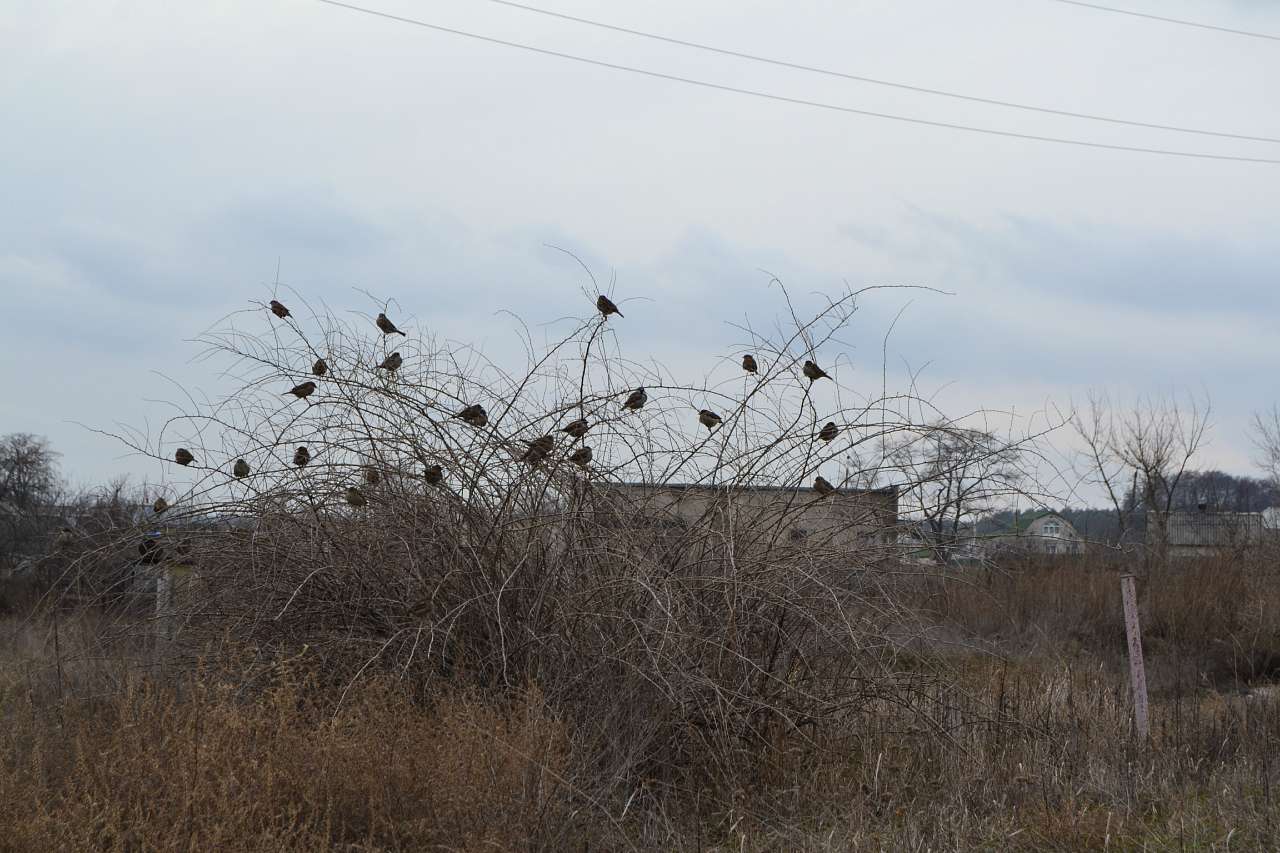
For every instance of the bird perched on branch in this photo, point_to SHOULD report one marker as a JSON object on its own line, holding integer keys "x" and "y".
{"x": 474, "y": 415}
{"x": 576, "y": 429}
{"x": 319, "y": 368}
{"x": 372, "y": 475}
{"x": 538, "y": 449}
{"x": 606, "y": 307}
{"x": 391, "y": 362}
{"x": 749, "y": 363}
{"x": 434, "y": 475}
{"x": 355, "y": 497}
{"x": 822, "y": 487}
{"x": 709, "y": 419}
{"x": 388, "y": 327}
{"x": 636, "y": 400}
{"x": 278, "y": 309}
{"x": 183, "y": 456}
{"x": 301, "y": 457}
{"x": 159, "y": 506}
{"x": 829, "y": 431}
{"x": 814, "y": 372}
{"x": 240, "y": 469}
{"x": 581, "y": 457}
{"x": 303, "y": 391}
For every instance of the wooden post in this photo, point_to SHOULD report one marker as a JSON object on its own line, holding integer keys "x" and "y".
{"x": 1137, "y": 672}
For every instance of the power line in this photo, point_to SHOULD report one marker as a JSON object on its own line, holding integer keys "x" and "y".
{"x": 1181, "y": 22}
{"x": 797, "y": 101}
{"x": 876, "y": 81}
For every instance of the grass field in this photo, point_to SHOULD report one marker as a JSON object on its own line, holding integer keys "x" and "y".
{"x": 1015, "y": 734}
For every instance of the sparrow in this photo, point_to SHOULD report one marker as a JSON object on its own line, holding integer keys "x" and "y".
{"x": 829, "y": 431}
{"x": 392, "y": 362}
{"x": 636, "y": 400}
{"x": 474, "y": 415}
{"x": 371, "y": 475}
{"x": 814, "y": 372}
{"x": 301, "y": 457}
{"x": 822, "y": 487}
{"x": 709, "y": 419}
{"x": 355, "y": 497}
{"x": 278, "y": 309}
{"x": 581, "y": 457}
{"x": 388, "y": 327}
{"x": 240, "y": 469}
{"x": 303, "y": 391}
{"x": 160, "y": 505}
{"x": 606, "y": 307}
{"x": 183, "y": 456}
{"x": 538, "y": 449}
{"x": 434, "y": 475}
{"x": 577, "y": 428}
{"x": 319, "y": 368}
{"x": 749, "y": 363}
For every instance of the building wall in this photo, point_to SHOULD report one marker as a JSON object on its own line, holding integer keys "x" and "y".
{"x": 847, "y": 519}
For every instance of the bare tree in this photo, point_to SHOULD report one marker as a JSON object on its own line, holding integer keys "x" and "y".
{"x": 1103, "y": 464}
{"x": 1266, "y": 438}
{"x": 28, "y": 483}
{"x": 1141, "y": 455}
{"x": 950, "y": 475}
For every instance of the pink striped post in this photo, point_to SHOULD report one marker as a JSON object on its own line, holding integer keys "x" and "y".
{"x": 1137, "y": 672}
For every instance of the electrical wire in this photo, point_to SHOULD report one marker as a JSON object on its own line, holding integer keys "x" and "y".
{"x": 797, "y": 101}
{"x": 876, "y": 81}
{"x": 1179, "y": 21}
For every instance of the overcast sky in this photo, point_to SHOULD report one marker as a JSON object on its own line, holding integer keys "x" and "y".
{"x": 157, "y": 159}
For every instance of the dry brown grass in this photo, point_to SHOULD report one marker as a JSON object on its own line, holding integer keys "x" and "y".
{"x": 1018, "y": 739}
{"x": 200, "y": 765}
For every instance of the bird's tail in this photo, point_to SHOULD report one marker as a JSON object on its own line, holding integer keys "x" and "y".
{"x": 401, "y": 334}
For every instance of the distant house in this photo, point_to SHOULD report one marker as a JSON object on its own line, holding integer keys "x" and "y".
{"x": 1271, "y": 522}
{"x": 1206, "y": 533}
{"x": 1041, "y": 532}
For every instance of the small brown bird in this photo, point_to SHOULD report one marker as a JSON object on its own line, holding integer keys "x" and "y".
{"x": 539, "y": 448}
{"x": 278, "y": 309}
{"x": 355, "y": 497}
{"x": 301, "y": 457}
{"x": 319, "y": 368}
{"x": 303, "y": 391}
{"x": 814, "y": 372}
{"x": 474, "y": 415}
{"x": 577, "y": 428}
{"x": 183, "y": 456}
{"x": 709, "y": 419}
{"x": 749, "y": 363}
{"x": 434, "y": 475}
{"x": 822, "y": 487}
{"x": 606, "y": 307}
{"x": 636, "y": 400}
{"x": 391, "y": 362}
{"x": 240, "y": 469}
{"x": 159, "y": 506}
{"x": 829, "y": 431}
{"x": 388, "y": 327}
{"x": 581, "y": 457}
{"x": 372, "y": 475}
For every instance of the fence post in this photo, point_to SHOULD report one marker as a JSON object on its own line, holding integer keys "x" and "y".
{"x": 1137, "y": 672}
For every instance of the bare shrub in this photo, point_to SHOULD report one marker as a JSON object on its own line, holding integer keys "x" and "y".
{"x": 472, "y": 553}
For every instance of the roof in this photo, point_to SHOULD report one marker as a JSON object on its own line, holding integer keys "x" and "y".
{"x": 1212, "y": 529}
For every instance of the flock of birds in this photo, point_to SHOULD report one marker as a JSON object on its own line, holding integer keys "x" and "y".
{"x": 475, "y": 415}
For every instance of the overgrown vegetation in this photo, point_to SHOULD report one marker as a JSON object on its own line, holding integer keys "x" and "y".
{"x": 439, "y": 630}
